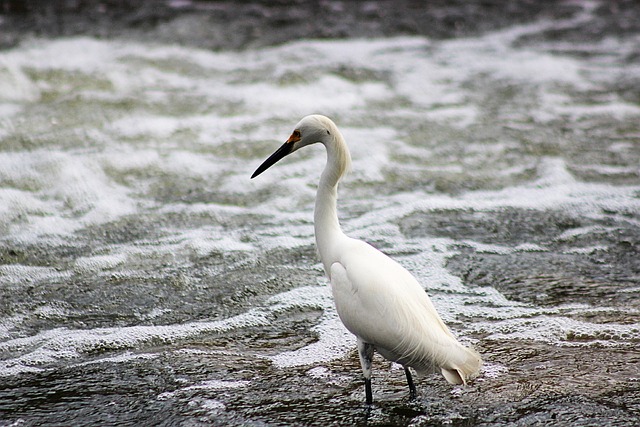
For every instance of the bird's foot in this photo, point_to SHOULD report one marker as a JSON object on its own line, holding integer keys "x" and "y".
{"x": 412, "y": 387}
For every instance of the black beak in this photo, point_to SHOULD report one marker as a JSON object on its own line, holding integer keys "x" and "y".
{"x": 274, "y": 158}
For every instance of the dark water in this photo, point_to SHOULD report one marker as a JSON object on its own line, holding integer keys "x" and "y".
{"x": 145, "y": 280}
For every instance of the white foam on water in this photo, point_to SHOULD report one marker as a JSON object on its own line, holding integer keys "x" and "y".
{"x": 327, "y": 376}
{"x": 80, "y": 53}
{"x": 210, "y": 385}
{"x": 372, "y": 146}
{"x": 436, "y": 65}
{"x": 120, "y": 358}
{"x": 561, "y": 330}
{"x": 212, "y": 405}
{"x": 7, "y": 324}
{"x": 333, "y": 342}
{"x": 555, "y": 189}
{"x": 609, "y": 169}
{"x": 15, "y": 85}
{"x": 202, "y": 241}
{"x": 204, "y": 245}
{"x": 583, "y": 231}
{"x": 145, "y": 127}
{"x": 492, "y": 370}
{"x": 529, "y": 247}
{"x": 487, "y": 248}
{"x": 319, "y": 96}
{"x": 586, "y": 250}
{"x": 47, "y": 348}
{"x": 99, "y": 262}
{"x": 14, "y": 274}
{"x": 617, "y": 109}
{"x": 63, "y": 193}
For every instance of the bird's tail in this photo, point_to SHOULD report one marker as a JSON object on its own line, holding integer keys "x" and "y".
{"x": 463, "y": 365}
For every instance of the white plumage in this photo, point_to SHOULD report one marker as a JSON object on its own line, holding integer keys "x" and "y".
{"x": 377, "y": 299}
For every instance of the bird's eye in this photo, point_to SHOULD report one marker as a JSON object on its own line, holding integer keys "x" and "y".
{"x": 296, "y": 133}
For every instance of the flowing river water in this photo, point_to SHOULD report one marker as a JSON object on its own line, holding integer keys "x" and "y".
{"x": 146, "y": 280}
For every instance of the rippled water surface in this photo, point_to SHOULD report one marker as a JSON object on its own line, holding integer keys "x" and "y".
{"x": 145, "y": 279}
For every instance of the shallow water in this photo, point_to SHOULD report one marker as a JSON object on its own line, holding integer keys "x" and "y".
{"x": 144, "y": 278}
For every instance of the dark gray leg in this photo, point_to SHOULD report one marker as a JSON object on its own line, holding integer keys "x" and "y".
{"x": 412, "y": 387}
{"x": 365, "y": 351}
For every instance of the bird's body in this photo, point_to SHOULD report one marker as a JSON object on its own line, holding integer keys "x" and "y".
{"x": 377, "y": 299}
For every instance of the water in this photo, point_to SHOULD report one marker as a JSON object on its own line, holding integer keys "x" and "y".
{"x": 144, "y": 278}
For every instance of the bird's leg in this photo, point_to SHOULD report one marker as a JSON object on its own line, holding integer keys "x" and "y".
{"x": 365, "y": 351}
{"x": 412, "y": 387}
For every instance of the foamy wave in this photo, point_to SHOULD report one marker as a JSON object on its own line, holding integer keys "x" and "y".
{"x": 50, "y": 347}
{"x": 206, "y": 386}
{"x": 167, "y": 140}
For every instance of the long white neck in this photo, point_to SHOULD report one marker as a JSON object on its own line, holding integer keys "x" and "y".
{"x": 327, "y": 227}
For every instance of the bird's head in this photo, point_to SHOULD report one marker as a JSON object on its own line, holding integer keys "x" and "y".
{"x": 309, "y": 130}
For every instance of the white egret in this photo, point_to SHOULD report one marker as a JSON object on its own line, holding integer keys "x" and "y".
{"x": 378, "y": 301}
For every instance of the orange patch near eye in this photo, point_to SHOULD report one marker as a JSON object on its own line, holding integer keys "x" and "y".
{"x": 295, "y": 137}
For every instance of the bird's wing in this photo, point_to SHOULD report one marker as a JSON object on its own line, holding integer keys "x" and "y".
{"x": 382, "y": 303}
